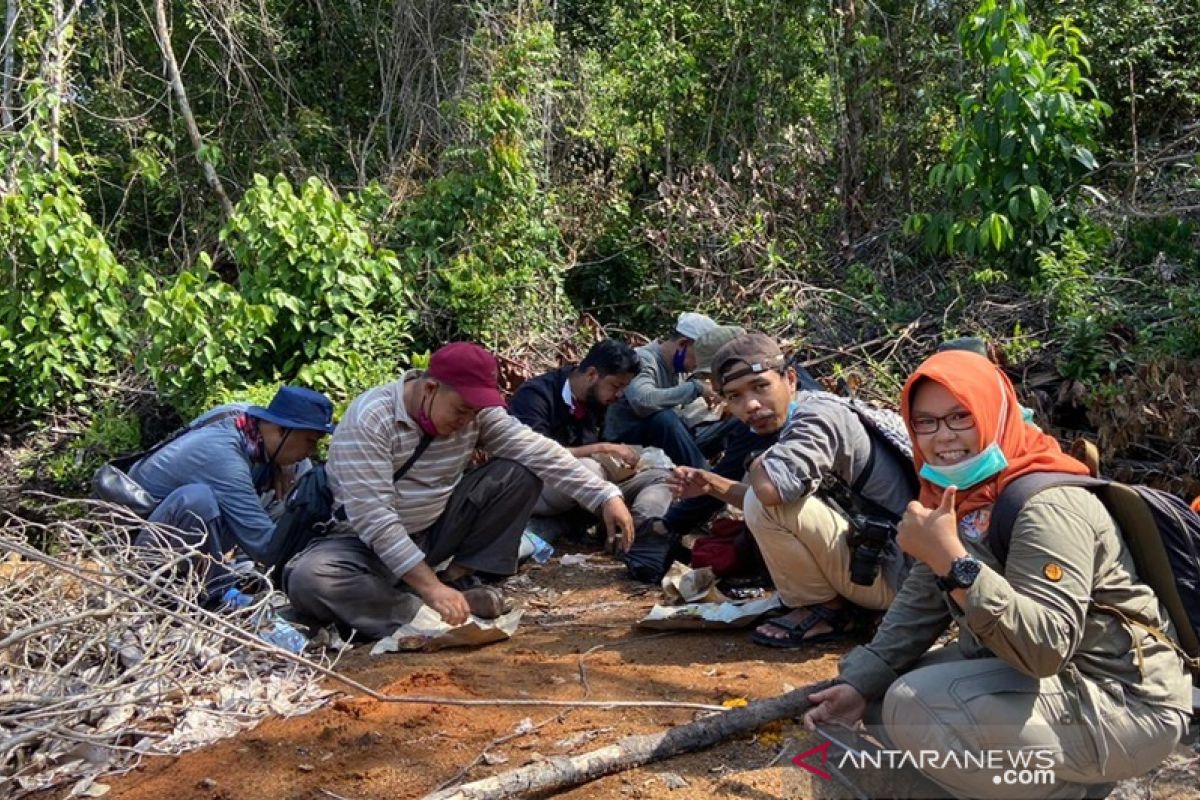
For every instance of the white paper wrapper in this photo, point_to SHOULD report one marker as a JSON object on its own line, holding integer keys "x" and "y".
{"x": 682, "y": 584}
{"x": 714, "y": 616}
{"x": 428, "y": 631}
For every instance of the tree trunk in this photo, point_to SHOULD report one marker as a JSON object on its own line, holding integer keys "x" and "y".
{"x": 853, "y": 129}
{"x": 163, "y": 34}
{"x": 10, "y": 65}
{"x": 633, "y": 751}
{"x": 56, "y": 81}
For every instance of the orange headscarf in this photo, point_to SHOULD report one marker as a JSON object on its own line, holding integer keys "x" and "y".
{"x": 981, "y": 387}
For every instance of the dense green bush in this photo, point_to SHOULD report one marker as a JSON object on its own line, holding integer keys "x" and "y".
{"x": 112, "y": 430}
{"x": 1027, "y": 133}
{"x": 63, "y": 317}
{"x": 201, "y": 334}
{"x": 316, "y": 301}
{"x": 483, "y": 233}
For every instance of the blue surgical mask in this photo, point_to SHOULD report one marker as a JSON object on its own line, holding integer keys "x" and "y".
{"x": 680, "y": 357}
{"x": 792, "y": 408}
{"x": 968, "y": 472}
{"x": 978, "y": 468}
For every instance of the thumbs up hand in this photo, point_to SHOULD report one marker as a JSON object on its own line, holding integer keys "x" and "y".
{"x": 931, "y": 535}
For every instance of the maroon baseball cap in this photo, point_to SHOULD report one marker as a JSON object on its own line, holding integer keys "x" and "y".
{"x": 469, "y": 370}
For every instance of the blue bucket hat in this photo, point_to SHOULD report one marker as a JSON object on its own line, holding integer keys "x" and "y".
{"x": 297, "y": 407}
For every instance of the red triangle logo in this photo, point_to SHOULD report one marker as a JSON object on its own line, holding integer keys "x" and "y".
{"x": 801, "y": 760}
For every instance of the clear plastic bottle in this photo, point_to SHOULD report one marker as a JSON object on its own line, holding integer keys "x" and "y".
{"x": 534, "y": 546}
{"x": 281, "y": 633}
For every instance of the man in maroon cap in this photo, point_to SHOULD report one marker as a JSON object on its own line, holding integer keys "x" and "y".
{"x": 406, "y": 503}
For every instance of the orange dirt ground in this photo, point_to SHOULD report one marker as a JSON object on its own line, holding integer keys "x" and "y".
{"x": 577, "y": 640}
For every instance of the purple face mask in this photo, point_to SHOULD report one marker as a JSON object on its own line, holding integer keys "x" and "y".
{"x": 423, "y": 420}
{"x": 680, "y": 357}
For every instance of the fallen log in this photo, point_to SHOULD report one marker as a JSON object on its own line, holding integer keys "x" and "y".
{"x": 633, "y": 751}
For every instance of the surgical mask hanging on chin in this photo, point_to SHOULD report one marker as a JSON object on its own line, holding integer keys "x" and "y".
{"x": 680, "y": 357}
{"x": 424, "y": 421}
{"x": 978, "y": 468}
{"x": 968, "y": 472}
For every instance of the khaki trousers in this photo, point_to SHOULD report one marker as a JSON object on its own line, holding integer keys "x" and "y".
{"x": 804, "y": 545}
{"x": 1099, "y": 733}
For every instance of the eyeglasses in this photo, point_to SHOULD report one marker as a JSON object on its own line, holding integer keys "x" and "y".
{"x": 955, "y": 421}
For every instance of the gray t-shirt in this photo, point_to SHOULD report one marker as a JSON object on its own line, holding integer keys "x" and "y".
{"x": 825, "y": 440}
{"x": 656, "y": 387}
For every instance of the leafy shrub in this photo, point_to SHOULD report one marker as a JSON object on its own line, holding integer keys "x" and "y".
{"x": 484, "y": 231}
{"x": 112, "y": 430}
{"x": 308, "y": 256}
{"x": 63, "y": 317}
{"x": 201, "y": 334}
{"x": 1026, "y": 139}
{"x": 317, "y": 303}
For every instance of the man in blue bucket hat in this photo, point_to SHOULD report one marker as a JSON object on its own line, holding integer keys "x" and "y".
{"x": 211, "y": 481}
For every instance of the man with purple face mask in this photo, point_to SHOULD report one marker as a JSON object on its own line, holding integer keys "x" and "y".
{"x": 407, "y": 503}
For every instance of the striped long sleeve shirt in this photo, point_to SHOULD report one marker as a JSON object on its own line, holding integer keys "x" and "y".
{"x": 376, "y": 436}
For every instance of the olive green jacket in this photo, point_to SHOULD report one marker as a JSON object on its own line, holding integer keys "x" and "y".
{"x": 1040, "y": 613}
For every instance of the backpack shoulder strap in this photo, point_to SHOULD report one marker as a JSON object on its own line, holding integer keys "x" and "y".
{"x": 421, "y": 447}
{"x": 1017, "y": 494}
{"x": 890, "y": 434}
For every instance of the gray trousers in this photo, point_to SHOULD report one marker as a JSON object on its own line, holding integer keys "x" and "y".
{"x": 1101, "y": 733}
{"x": 340, "y": 579}
{"x": 647, "y": 494}
{"x": 193, "y": 512}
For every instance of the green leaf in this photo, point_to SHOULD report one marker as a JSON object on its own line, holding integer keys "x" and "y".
{"x": 1040, "y": 199}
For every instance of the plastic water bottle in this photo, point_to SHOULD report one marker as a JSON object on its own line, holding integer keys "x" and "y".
{"x": 233, "y": 599}
{"x": 535, "y": 547}
{"x": 281, "y": 633}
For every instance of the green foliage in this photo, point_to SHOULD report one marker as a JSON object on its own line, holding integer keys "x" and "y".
{"x": 484, "y": 230}
{"x": 62, "y": 319}
{"x": 317, "y": 302}
{"x": 200, "y": 334}
{"x": 1028, "y": 130}
{"x": 308, "y": 256}
{"x": 111, "y": 431}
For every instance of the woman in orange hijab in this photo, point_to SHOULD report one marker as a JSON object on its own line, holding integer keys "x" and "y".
{"x": 1038, "y": 669}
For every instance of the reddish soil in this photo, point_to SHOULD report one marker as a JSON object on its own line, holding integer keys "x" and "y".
{"x": 577, "y": 640}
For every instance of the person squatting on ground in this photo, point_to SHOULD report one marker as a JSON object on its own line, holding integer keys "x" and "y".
{"x": 209, "y": 481}
{"x": 1042, "y": 660}
{"x": 805, "y": 542}
{"x": 407, "y": 502}
{"x": 568, "y": 405}
{"x": 647, "y": 413}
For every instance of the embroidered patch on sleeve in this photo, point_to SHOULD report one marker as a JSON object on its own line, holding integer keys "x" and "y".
{"x": 1052, "y": 571}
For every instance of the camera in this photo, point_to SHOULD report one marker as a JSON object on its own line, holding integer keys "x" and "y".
{"x": 868, "y": 540}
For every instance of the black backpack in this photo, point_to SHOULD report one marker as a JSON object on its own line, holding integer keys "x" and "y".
{"x": 1160, "y": 530}
{"x": 886, "y": 430}
{"x": 307, "y": 512}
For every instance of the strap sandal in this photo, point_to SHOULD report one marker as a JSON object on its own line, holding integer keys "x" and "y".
{"x": 838, "y": 619}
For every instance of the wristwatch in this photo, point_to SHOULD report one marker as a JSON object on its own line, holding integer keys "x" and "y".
{"x": 963, "y": 572}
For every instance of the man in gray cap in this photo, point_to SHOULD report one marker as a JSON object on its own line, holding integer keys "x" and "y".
{"x": 647, "y": 414}
{"x": 827, "y": 447}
